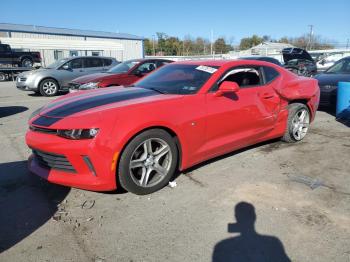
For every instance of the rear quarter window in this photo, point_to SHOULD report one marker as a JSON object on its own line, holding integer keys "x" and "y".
{"x": 107, "y": 62}
{"x": 270, "y": 74}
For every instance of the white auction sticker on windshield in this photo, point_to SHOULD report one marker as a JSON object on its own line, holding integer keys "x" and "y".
{"x": 207, "y": 69}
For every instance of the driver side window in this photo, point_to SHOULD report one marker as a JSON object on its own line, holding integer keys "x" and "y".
{"x": 75, "y": 63}
{"x": 245, "y": 77}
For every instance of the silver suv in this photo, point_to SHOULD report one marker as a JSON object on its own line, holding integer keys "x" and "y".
{"x": 54, "y": 78}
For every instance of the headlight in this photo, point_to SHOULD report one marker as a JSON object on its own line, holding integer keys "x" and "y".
{"x": 88, "y": 86}
{"x": 78, "y": 133}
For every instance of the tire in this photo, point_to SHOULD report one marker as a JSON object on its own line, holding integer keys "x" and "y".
{"x": 48, "y": 87}
{"x": 26, "y": 62}
{"x": 151, "y": 170}
{"x": 2, "y": 77}
{"x": 298, "y": 123}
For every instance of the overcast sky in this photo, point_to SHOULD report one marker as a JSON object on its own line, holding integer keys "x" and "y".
{"x": 231, "y": 19}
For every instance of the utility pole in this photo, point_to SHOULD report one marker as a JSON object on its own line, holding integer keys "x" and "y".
{"x": 153, "y": 40}
{"x": 211, "y": 42}
{"x": 310, "y": 37}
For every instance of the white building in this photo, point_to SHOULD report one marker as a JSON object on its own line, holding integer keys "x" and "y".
{"x": 56, "y": 43}
{"x": 268, "y": 48}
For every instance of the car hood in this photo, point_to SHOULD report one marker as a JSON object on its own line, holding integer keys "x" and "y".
{"x": 332, "y": 79}
{"x": 36, "y": 71}
{"x": 295, "y": 53}
{"x": 96, "y": 77}
{"x": 91, "y": 104}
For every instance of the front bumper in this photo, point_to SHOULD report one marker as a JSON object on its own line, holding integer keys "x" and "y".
{"x": 24, "y": 85}
{"x": 328, "y": 96}
{"x": 97, "y": 173}
{"x": 73, "y": 87}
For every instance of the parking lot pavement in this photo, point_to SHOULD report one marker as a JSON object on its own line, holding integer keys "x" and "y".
{"x": 295, "y": 204}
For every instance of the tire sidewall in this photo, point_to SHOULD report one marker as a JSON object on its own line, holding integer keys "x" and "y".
{"x": 124, "y": 177}
{"x": 41, "y": 90}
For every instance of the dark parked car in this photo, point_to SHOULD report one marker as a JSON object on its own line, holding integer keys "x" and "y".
{"x": 124, "y": 74}
{"x": 328, "y": 81}
{"x": 299, "y": 61}
{"x": 23, "y": 59}
{"x": 263, "y": 58}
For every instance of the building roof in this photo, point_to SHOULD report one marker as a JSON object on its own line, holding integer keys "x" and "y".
{"x": 65, "y": 31}
{"x": 271, "y": 45}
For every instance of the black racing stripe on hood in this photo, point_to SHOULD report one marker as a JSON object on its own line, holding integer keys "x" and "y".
{"x": 45, "y": 121}
{"x": 99, "y": 100}
{"x": 66, "y": 100}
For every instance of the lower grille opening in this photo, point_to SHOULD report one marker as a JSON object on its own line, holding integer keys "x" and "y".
{"x": 54, "y": 161}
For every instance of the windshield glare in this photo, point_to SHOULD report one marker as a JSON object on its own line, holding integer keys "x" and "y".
{"x": 340, "y": 67}
{"x": 123, "y": 67}
{"x": 178, "y": 79}
{"x": 57, "y": 63}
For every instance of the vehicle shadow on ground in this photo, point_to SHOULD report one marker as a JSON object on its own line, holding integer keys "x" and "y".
{"x": 266, "y": 146}
{"x": 11, "y": 110}
{"x": 26, "y": 202}
{"x": 248, "y": 245}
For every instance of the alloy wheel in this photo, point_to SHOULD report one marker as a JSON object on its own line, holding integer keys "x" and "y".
{"x": 50, "y": 88}
{"x": 150, "y": 162}
{"x": 300, "y": 122}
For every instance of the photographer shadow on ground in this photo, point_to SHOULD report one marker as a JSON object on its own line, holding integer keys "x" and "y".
{"x": 26, "y": 203}
{"x": 249, "y": 245}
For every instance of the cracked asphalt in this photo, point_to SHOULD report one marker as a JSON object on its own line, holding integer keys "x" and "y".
{"x": 300, "y": 194}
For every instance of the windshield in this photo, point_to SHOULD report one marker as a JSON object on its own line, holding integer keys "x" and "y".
{"x": 177, "y": 79}
{"x": 123, "y": 67}
{"x": 57, "y": 63}
{"x": 340, "y": 67}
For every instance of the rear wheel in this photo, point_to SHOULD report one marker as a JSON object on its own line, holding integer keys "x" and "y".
{"x": 26, "y": 62}
{"x": 48, "y": 87}
{"x": 298, "y": 123}
{"x": 148, "y": 162}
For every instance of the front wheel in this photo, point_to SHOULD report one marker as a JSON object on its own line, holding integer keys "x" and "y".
{"x": 298, "y": 123}
{"x": 48, "y": 87}
{"x": 148, "y": 162}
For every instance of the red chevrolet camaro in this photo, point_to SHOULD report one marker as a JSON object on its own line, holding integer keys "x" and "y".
{"x": 178, "y": 116}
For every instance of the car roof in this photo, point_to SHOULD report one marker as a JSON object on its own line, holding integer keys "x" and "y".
{"x": 83, "y": 56}
{"x": 220, "y": 63}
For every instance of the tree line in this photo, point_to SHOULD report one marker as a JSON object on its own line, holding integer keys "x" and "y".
{"x": 163, "y": 44}
{"x": 172, "y": 46}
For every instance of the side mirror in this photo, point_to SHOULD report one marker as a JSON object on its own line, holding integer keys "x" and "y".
{"x": 227, "y": 87}
{"x": 66, "y": 67}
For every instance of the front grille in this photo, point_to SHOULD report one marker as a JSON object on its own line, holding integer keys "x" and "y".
{"x": 43, "y": 130}
{"x": 73, "y": 85}
{"x": 54, "y": 161}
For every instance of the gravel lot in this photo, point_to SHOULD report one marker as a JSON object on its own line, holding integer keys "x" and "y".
{"x": 300, "y": 193}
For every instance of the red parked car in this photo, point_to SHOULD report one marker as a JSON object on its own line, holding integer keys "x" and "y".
{"x": 180, "y": 115}
{"x": 123, "y": 74}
